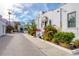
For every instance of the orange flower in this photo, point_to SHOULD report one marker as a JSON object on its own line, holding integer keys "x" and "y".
{"x": 46, "y": 30}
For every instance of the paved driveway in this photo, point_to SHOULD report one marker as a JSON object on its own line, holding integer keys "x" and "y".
{"x": 17, "y": 45}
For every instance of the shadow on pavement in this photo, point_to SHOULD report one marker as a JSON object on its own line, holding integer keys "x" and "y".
{"x": 4, "y": 41}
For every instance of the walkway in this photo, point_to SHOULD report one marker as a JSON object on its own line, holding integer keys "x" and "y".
{"x": 17, "y": 45}
{"x": 46, "y": 47}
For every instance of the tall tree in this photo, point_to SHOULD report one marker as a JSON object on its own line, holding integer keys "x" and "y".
{"x": 16, "y": 25}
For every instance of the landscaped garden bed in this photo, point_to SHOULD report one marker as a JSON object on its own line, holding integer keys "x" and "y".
{"x": 62, "y": 40}
{"x": 70, "y": 47}
{"x": 71, "y": 51}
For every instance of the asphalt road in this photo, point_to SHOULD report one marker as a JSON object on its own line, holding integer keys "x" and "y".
{"x": 17, "y": 45}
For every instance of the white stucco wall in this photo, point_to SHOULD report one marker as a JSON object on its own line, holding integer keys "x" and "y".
{"x": 70, "y": 8}
{"x": 2, "y": 28}
{"x": 38, "y": 23}
{"x": 55, "y": 17}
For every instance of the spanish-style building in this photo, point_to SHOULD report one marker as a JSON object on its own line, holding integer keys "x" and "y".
{"x": 66, "y": 18}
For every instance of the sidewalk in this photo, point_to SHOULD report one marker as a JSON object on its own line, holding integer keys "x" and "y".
{"x": 46, "y": 47}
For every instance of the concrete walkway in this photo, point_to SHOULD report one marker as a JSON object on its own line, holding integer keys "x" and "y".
{"x": 17, "y": 45}
{"x": 46, "y": 47}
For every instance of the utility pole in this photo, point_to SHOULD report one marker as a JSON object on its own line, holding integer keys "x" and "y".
{"x": 9, "y": 13}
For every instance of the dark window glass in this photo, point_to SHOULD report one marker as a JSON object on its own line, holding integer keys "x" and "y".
{"x": 71, "y": 19}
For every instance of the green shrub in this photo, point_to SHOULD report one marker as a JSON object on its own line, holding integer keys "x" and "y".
{"x": 49, "y": 32}
{"x": 9, "y": 28}
{"x": 31, "y": 28}
{"x": 64, "y": 37}
{"x": 45, "y": 36}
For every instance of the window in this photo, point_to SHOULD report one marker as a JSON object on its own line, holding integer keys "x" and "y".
{"x": 71, "y": 19}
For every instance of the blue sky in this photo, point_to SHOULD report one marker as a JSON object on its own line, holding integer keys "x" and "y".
{"x": 27, "y": 11}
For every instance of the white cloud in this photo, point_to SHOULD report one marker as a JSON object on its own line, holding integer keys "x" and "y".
{"x": 27, "y": 18}
{"x": 24, "y": 14}
{"x": 18, "y": 5}
{"x": 14, "y": 18}
{"x": 18, "y": 10}
{"x": 27, "y": 5}
{"x": 39, "y": 1}
{"x": 4, "y": 9}
{"x": 4, "y": 6}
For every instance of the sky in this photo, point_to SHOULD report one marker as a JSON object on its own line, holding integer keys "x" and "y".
{"x": 28, "y": 11}
{"x": 24, "y": 12}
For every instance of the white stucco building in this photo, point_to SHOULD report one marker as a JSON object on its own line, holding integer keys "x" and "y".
{"x": 66, "y": 18}
{"x": 39, "y": 24}
{"x": 2, "y": 26}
